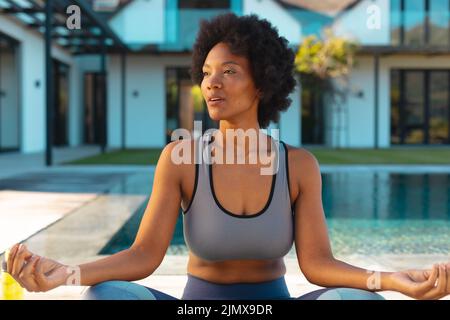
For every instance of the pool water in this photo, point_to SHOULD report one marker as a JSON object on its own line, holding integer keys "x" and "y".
{"x": 367, "y": 212}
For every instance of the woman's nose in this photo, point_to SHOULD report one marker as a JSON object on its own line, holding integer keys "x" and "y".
{"x": 214, "y": 83}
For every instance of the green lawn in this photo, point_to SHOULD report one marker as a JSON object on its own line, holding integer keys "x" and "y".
{"x": 128, "y": 157}
{"x": 383, "y": 156}
{"x": 324, "y": 155}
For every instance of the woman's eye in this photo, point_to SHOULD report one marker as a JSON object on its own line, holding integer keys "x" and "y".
{"x": 229, "y": 71}
{"x": 205, "y": 73}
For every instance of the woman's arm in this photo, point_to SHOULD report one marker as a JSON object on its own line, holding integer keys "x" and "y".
{"x": 313, "y": 245}
{"x": 139, "y": 261}
{"x": 155, "y": 231}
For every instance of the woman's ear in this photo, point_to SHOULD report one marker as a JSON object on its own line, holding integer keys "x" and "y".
{"x": 260, "y": 94}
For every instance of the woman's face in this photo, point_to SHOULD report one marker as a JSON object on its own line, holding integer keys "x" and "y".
{"x": 227, "y": 85}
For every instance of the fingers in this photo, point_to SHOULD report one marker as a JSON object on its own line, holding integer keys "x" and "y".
{"x": 22, "y": 254}
{"x": 425, "y": 286}
{"x": 10, "y": 257}
{"x": 26, "y": 276}
{"x": 39, "y": 276}
{"x": 440, "y": 290}
{"x": 447, "y": 269}
{"x": 443, "y": 291}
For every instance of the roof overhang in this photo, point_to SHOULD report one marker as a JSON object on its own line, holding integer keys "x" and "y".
{"x": 404, "y": 50}
{"x": 88, "y": 39}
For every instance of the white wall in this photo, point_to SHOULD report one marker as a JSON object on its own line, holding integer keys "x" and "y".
{"x": 9, "y": 112}
{"x": 287, "y": 26}
{"x": 357, "y": 121}
{"x": 141, "y": 21}
{"x": 290, "y": 124}
{"x": 357, "y": 23}
{"x": 31, "y": 61}
{"x": 146, "y": 113}
{"x": 32, "y": 70}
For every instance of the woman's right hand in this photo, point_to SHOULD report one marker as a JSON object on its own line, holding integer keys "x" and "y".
{"x": 35, "y": 273}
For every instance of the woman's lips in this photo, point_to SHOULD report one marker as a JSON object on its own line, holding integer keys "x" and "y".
{"x": 216, "y": 102}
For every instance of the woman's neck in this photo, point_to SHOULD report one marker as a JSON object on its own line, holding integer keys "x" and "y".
{"x": 244, "y": 140}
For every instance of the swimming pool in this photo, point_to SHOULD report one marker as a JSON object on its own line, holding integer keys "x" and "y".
{"x": 368, "y": 212}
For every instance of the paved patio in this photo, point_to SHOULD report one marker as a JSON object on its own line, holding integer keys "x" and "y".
{"x": 12, "y": 163}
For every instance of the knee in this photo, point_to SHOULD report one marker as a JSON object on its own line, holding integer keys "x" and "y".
{"x": 118, "y": 290}
{"x": 349, "y": 294}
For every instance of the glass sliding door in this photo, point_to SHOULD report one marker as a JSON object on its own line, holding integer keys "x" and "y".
{"x": 414, "y": 103}
{"x": 438, "y": 121}
{"x": 94, "y": 108}
{"x": 312, "y": 115}
{"x": 61, "y": 98}
{"x": 420, "y": 107}
{"x": 395, "y": 107}
{"x": 9, "y": 95}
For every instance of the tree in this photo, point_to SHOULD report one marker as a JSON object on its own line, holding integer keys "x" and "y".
{"x": 324, "y": 67}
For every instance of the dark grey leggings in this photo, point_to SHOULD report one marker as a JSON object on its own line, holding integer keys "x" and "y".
{"x": 199, "y": 289}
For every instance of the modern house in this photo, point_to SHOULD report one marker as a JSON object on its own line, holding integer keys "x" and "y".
{"x": 139, "y": 90}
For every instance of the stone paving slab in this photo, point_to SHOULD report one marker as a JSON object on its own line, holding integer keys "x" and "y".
{"x": 23, "y": 214}
{"x": 81, "y": 235}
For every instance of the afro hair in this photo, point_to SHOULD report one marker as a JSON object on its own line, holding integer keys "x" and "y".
{"x": 271, "y": 60}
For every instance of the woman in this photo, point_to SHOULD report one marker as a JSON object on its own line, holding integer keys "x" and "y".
{"x": 237, "y": 237}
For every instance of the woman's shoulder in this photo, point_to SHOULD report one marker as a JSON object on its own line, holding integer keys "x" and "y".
{"x": 301, "y": 162}
{"x": 177, "y": 158}
{"x": 180, "y": 153}
{"x": 299, "y": 155}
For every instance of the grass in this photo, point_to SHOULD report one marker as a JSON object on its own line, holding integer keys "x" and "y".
{"x": 410, "y": 155}
{"x": 394, "y": 155}
{"x": 125, "y": 157}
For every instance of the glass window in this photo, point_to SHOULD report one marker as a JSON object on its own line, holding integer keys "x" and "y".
{"x": 414, "y": 117}
{"x": 396, "y": 22}
{"x": 395, "y": 106}
{"x": 439, "y": 107}
{"x": 414, "y": 22}
{"x": 419, "y": 115}
{"x": 439, "y": 17}
{"x": 203, "y": 4}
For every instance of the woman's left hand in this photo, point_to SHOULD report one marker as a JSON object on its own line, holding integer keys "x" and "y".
{"x": 423, "y": 284}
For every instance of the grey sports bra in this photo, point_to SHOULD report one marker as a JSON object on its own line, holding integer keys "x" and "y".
{"x": 213, "y": 233}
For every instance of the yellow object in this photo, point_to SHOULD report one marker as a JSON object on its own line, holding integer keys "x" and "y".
{"x": 10, "y": 288}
